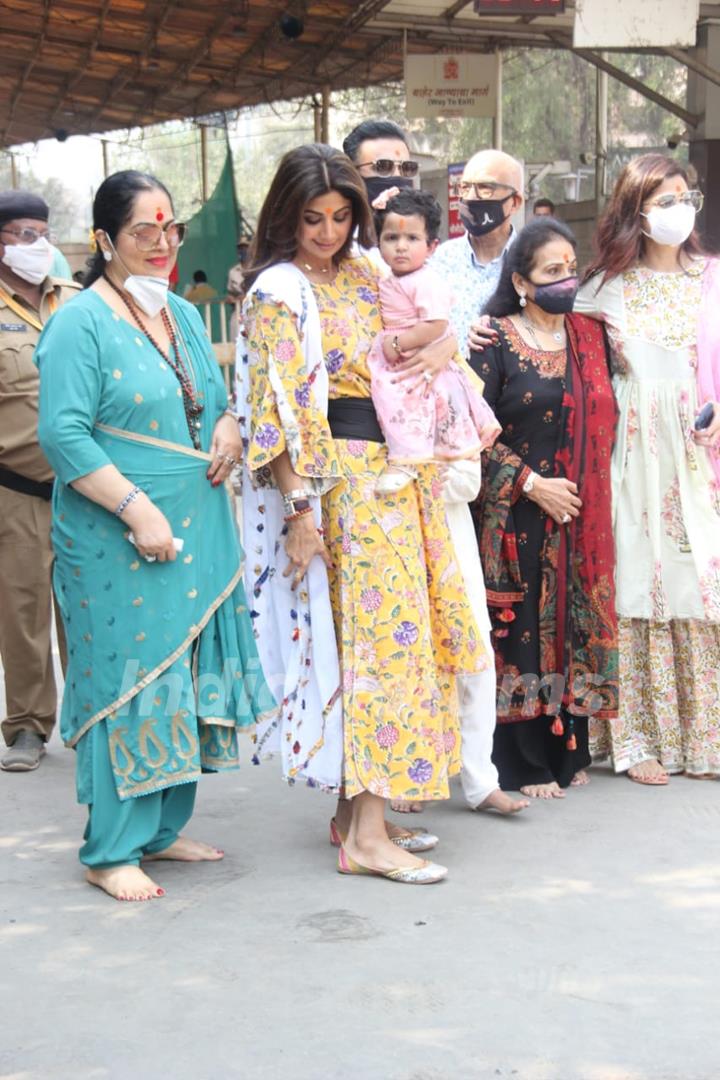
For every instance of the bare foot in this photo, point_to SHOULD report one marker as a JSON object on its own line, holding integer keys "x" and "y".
{"x": 702, "y": 776}
{"x": 580, "y": 779}
{"x": 402, "y": 806}
{"x": 188, "y": 851}
{"x": 543, "y": 791}
{"x": 503, "y": 803}
{"x": 649, "y": 772}
{"x": 125, "y": 883}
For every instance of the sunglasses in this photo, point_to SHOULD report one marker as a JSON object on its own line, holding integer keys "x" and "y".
{"x": 147, "y": 236}
{"x": 30, "y": 235}
{"x": 387, "y": 167}
{"x": 685, "y": 198}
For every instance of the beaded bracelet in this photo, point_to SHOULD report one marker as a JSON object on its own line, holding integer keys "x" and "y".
{"x": 130, "y": 497}
{"x": 297, "y": 514}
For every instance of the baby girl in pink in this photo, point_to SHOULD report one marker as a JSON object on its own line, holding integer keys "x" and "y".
{"x": 444, "y": 419}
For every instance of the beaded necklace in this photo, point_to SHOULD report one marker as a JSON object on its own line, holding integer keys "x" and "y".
{"x": 191, "y": 405}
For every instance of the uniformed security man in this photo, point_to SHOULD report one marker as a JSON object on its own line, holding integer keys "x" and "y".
{"x": 28, "y": 297}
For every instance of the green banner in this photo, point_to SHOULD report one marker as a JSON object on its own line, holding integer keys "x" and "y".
{"x": 210, "y": 241}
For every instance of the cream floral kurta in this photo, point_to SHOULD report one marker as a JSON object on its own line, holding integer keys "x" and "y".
{"x": 666, "y": 513}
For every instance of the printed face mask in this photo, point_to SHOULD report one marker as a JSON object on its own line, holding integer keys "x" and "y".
{"x": 31, "y": 262}
{"x": 670, "y": 225}
{"x": 377, "y": 184}
{"x": 558, "y": 297}
{"x": 481, "y": 216}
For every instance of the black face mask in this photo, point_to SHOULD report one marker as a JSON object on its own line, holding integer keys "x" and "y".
{"x": 377, "y": 184}
{"x": 558, "y": 297}
{"x": 481, "y": 216}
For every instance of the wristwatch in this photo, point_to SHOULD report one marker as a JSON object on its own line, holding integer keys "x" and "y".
{"x": 529, "y": 483}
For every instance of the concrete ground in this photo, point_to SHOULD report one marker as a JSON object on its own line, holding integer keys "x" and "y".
{"x": 576, "y": 942}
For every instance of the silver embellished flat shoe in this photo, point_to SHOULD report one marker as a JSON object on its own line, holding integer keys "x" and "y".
{"x": 425, "y": 874}
{"x": 418, "y": 839}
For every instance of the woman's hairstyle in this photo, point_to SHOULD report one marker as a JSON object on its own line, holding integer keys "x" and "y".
{"x": 113, "y": 208}
{"x": 619, "y": 239}
{"x": 302, "y": 175}
{"x": 410, "y": 202}
{"x": 520, "y": 259}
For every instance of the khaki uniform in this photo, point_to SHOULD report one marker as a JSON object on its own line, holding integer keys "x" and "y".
{"x": 25, "y": 551}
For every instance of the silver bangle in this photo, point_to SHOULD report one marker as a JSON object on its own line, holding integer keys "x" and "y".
{"x": 290, "y": 496}
{"x": 529, "y": 483}
{"x": 130, "y": 497}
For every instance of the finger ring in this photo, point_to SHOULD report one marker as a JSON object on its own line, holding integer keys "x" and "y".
{"x": 150, "y": 558}
{"x": 427, "y": 376}
{"x": 565, "y": 519}
{"x": 230, "y": 460}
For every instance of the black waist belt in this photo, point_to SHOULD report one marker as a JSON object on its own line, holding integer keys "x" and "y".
{"x": 354, "y": 418}
{"x": 16, "y": 482}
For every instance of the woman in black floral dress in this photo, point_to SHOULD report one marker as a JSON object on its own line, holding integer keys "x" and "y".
{"x": 544, "y": 517}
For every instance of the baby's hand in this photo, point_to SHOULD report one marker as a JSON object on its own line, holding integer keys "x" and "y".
{"x": 381, "y": 200}
{"x": 391, "y": 354}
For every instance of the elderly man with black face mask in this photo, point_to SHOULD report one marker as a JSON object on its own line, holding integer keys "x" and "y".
{"x": 491, "y": 191}
{"x": 28, "y": 298}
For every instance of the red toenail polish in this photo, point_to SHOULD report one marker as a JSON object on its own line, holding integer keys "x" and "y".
{"x": 160, "y": 892}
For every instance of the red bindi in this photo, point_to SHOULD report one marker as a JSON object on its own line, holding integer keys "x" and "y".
{"x": 159, "y": 216}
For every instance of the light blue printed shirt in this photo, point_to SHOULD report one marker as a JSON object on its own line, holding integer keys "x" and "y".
{"x": 472, "y": 282}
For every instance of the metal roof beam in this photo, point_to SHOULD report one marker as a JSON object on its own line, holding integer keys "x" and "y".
{"x": 599, "y": 61}
{"x": 684, "y": 57}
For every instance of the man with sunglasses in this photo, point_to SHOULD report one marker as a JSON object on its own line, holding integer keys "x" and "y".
{"x": 491, "y": 192}
{"x": 379, "y": 150}
{"x": 28, "y": 297}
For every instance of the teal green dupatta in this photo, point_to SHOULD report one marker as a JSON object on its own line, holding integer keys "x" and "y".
{"x": 163, "y": 653}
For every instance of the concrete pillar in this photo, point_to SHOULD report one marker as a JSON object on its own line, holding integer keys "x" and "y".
{"x": 703, "y": 97}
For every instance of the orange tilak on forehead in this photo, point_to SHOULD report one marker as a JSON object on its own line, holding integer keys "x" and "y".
{"x": 402, "y": 222}
{"x": 328, "y": 211}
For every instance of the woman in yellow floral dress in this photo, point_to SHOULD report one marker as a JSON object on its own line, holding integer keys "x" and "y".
{"x": 366, "y": 625}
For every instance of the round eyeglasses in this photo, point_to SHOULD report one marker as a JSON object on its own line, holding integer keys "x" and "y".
{"x": 484, "y": 189}
{"x": 148, "y": 236}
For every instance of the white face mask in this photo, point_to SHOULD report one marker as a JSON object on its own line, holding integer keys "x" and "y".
{"x": 149, "y": 292}
{"x": 31, "y": 262}
{"x": 670, "y": 225}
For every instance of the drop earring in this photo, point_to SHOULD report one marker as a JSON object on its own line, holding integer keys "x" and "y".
{"x": 523, "y": 301}
{"x": 107, "y": 256}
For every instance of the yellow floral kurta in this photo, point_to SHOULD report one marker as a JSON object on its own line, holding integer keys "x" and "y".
{"x": 403, "y": 625}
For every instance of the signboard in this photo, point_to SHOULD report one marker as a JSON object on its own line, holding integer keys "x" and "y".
{"x": 457, "y": 84}
{"x": 635, "y": 24}
{"x": 455, "y": 225}
{"x": 520, "y": 7}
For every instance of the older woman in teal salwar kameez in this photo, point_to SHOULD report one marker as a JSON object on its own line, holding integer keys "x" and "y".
{"x": 162, "y": 663}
